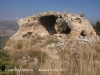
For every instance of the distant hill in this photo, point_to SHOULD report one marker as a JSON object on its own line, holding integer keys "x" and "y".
{"x": 8, "y": 28}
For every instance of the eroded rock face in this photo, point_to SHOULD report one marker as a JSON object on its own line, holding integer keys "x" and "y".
{"x": 49, "y": 23}
{"x": 54, "y": 36}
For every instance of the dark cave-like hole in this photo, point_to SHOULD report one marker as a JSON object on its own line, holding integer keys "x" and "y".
{"x": 83, "y": 33}
{"x": 48, "y": 22}
{"x": 64, "y": 24}
{"x": 67, "y": 31}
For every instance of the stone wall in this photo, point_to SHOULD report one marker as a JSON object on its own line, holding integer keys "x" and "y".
{"x": 49, "y": 23}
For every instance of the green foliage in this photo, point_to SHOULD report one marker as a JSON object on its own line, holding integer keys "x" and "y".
{"x": 97, "y": 27}
{"x": 3, "y": 40}
{"x": 64, "y": 28}
{"x": 63, "y": 24}
{"x": 6, "y": 63}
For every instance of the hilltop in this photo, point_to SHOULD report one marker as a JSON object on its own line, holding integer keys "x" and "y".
{"x": 56, "y": 40}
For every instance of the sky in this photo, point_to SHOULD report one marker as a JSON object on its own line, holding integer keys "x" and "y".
{"x": 15, "y": 9}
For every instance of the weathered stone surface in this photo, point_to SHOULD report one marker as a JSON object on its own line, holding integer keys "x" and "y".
{"x": 47, "y": 23}
{"x": 49, "y": 36}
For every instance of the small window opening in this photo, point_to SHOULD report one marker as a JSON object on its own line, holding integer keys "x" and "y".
{"x": 83, "y": 33}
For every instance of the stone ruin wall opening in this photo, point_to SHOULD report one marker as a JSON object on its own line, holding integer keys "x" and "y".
{"x": 49, "y": 23}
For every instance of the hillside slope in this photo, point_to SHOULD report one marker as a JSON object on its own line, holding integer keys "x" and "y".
{"x": 8, "y": 28}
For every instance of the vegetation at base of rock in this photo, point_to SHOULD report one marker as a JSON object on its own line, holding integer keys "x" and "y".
{"x": 58, "y": 43}
{"x": 3, "y": 40}
{"x": 6, "y": 63}
{"x": 34, "y": 53}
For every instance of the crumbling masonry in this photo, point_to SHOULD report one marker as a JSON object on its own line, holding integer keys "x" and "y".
{"x": 50, "y": 23}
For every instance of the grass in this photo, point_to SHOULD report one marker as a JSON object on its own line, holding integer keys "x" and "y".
{"x": 84, "y": 59}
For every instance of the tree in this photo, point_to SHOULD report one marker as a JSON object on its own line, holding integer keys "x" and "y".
{"x": 98, "y": 25}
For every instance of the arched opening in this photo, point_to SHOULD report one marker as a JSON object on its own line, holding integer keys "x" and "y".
{"x": 48, "y": 22}
{"x": 54, "y": 24}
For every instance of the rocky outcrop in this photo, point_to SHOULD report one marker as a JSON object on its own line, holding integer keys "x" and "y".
{"x": 55, "y": 40}
{"x": 48, "y": 23}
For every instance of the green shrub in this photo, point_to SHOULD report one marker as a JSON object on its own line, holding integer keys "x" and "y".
{"x": 6, "y": 63}
{"x": 97, "y": 27}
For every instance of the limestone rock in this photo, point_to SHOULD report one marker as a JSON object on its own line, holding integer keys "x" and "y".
{"x": 49, "y": 36}
{"x": 61, "y": 25}
{"x": 49, "y": 23}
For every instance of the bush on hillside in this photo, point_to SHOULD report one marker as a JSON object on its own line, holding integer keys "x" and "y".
{"x": 6, "y": 63}
{"x": 97, "y": 27}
